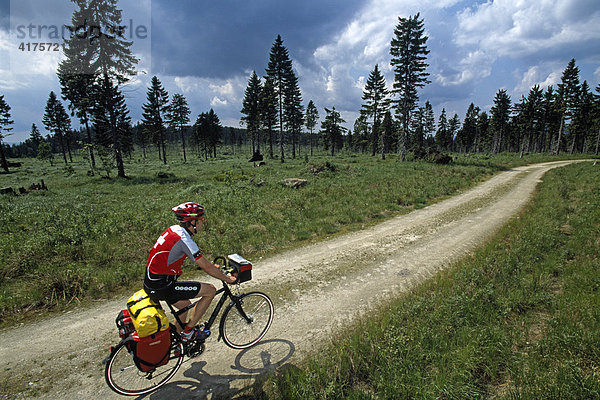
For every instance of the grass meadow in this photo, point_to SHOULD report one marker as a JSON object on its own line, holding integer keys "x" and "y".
{"x": 88, "y": 237}
{"x": 519, "y": 319}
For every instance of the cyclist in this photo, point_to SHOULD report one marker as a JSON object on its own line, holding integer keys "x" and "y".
{"x": 164, "y": 267}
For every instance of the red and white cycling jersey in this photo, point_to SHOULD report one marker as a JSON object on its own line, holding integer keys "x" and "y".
{"x": 169, "y": 251}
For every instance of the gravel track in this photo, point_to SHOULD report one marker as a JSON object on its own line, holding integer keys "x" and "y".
{"x": 316, "y": 289}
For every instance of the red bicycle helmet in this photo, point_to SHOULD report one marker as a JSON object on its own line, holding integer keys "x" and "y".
{"x": 189, "y": 211}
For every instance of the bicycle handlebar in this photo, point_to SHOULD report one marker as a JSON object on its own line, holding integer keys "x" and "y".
{"x": 226, "y": 268}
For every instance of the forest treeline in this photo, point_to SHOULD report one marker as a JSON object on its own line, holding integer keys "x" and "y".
{"x": 557, "y": 119}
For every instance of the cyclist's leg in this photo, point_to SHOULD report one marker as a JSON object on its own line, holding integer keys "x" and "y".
{"x": 206, "y": 294}
{"x": 183, "y": 291}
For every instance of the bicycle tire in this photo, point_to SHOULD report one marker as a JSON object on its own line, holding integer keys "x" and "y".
{"x": 123, "y": 376}
{"x": 236, "y": 331}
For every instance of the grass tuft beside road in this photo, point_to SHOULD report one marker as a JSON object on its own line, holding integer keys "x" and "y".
{"x": 520, "y": 319}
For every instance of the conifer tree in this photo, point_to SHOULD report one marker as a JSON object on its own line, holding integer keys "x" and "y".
{"x": 467, "y": 135}
{"x": 441, "y": 135}
{"x": 409, "y": 52}
{"x": 500, "y": 119}
{"x": 178, "y": 116}
{"x": 331, "y": 129}
{"x": 98, "y": 60}
{"x": 310, "y": 119}
{"x": 293, "y": 112}
{"x": 568, "y": 91}
{"x": 582, "y": 119}
{"x": 278, "y": 70}
{"x": 386, "y": 132}
{"x": 57, "y": 121}
{"x": 377, "y": 103}
{"x": 208, "y": 128}
{"x": 5, "y": 123}
{"x": 453, "y": 128}
{"x": 113, "y": 124}
{"x": 251, "y": 110}
{"x": 268, "y": 112}
{"x": 155, "y": 113}
{"x": 35, "y": 138}
{"x": 483, "y": 123}
{"x": 597, "y": 117}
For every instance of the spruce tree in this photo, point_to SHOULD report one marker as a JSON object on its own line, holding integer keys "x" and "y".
{"x": 597, "y": 117}
{"x": 376, "y": 104}
{"x": 5, "y": 123}
{"x": 293, "y": 112}
{"x": 441, "y": 134}
{"x": 408, "y": 50}
{"x": 500, "y": 119}
{"x": 386, "y": 132}
{"x": 428, "y": 123}
{"x": 57, "y": 121}
{"x": 251, "y": 110}
{"x": 582, "y": 120}
{"x": 178, "y": 116}
{"x": 35, "y": 138}
{"x": 310, "y": 119}
{"x": 98, "y": 60}
{"x": 278, "y": 70}
{"x": 331, "y": 129}
{"x": 467, "y": 135}
{"x": 568, "y": 91}
{"x": 483, "y": 123}
{"x": 453, "y": 128}
{"x": 113, "y": 124}
{"x": 155, "y": 113}
{"x": 268, "y": 112}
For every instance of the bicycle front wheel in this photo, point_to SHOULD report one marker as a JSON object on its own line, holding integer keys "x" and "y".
{"x": 246, "y": 320}
{"x": 124, "y": 377}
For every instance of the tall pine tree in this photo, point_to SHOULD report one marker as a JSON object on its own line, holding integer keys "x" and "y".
{"x": 113, "y": 124}
{"x": 500, "y": 119}
{"x": 293, "y": 112}
{"x": 155, "y": 113}
{"x": 278, "y": 70}
{"x": 251, "y": 110}
{"x": 57, "y": 121}
{"x": 178, "y": 116}
{"x": 332, "y": 130}
{"x": 5, "y": 123}
{"x": 98, "y": 57}
{"x": 376, "y": 104}
{"x": 409, "y": 52}
{"x": 568, "y": 92}
{"x": 310, "y": 119}
{"x": 268, "y": 112}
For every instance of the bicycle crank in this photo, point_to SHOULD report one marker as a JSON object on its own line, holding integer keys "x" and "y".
{"x": 194, "y": 349}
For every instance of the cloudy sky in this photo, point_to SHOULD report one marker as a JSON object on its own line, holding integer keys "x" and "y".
{"x": 207, "y": 50}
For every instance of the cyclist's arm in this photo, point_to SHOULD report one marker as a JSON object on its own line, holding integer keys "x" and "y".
{"x": 213, "y": 270}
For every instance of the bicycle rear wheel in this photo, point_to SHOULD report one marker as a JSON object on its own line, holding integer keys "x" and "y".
{"x": 246, "y": 321}
{"x": 124, "y": 377}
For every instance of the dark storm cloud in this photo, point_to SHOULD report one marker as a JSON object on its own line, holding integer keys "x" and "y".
{"x": 221, "y": 39}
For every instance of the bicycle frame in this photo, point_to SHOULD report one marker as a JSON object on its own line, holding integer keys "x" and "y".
{"x": 227, "y": 294}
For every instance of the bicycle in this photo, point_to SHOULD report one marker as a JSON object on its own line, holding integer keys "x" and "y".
{"x": 243, "y": 324}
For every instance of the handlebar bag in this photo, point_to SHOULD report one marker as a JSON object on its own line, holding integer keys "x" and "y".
{"x": 147, "y": 316}
{"x": 243, "y": 266}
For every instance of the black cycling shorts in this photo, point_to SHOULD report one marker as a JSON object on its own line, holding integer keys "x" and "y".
{"x": 167, "y": 288}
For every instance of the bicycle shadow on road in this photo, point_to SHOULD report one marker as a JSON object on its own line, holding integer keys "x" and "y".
{"x": 249, "y": 365}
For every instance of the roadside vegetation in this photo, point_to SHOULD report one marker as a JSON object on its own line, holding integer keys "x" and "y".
{"x": 89, "y": 237}
{"x": 519, "y": 319}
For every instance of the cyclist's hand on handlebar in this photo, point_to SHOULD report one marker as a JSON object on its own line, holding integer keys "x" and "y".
{"x": 231, "y": 279}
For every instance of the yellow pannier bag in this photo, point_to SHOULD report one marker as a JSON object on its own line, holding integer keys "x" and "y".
{"x": 147, "y": 315}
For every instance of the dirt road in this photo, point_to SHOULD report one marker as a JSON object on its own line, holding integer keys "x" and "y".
{"x": 316, "y": 289}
